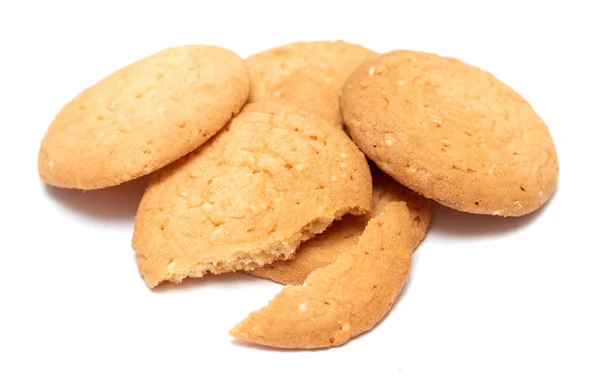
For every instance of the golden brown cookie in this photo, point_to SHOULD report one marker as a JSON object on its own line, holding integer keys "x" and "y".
{"x": 143, "y": 117}
{"x": 343, "y": 235}
{"x": 306, "y": 74}
{"x": 344, "y": 299}
{"x": 275, "y": 176}
{"x": 451, "y": 132}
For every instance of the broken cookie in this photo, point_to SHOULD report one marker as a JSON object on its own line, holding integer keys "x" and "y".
{"x": 274, "y": 177}
{"x": 344, "y": 299}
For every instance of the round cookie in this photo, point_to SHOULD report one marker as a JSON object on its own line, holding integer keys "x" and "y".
{"x": 143, "y": 117}
{"x": 344, "y": 299}
{"x": 306, "y": 74}
{"x": 451, "y": 132}
{"x": 275, "y": 176}
{"x": 343, "y": 235}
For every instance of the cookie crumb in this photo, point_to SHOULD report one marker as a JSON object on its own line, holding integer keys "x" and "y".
{"x": 389, "y": 142}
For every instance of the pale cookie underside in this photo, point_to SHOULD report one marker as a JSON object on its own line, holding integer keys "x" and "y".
{"x": 275, "y": 176}
{"x": 451, "y": 132}
{"x": 344, "y": 299}
{"x": 306, "y": 74}
{"x": 143, "y": 116}
{"x": 343, "y": 235}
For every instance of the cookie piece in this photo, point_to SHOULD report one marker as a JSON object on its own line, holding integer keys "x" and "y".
{"x": 275, "y": 176}
{"x": 143, "y": 117}
{"x": 344, "y": 299}
{"x": 451, "y": 132}
{"x": 343, "y": 235}
{"x": 306, "y": 74}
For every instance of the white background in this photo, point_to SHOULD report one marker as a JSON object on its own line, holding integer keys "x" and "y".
{"x": 488, "y": 299}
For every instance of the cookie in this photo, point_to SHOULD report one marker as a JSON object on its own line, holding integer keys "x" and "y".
{"x": 143, "y": 117}
{"x": 343, "y": 235}
{"x": 275, "y": 176}
{"x": 305, "y": 74}
{"x": 344, "y": 299}
{"x": 451, "y": 132}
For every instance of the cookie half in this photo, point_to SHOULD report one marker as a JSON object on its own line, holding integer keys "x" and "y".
{"x": 305, "y": 74}
{"x": 143, "y": 117}
{"x": 275, "y": 176}
{"x": 344, "y": 299}
{"x": 451, "y": 132}
{"x": 342, "y": 236}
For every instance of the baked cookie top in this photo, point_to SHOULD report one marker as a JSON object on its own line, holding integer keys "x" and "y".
{"x": 344, "y": 299}
{"x": 143, "y": 117}
{"x": 451, "y": 132}
{"x": 343, "y": 235}
{"x": 306, "y": 74}
{"x": 275, "y": 176}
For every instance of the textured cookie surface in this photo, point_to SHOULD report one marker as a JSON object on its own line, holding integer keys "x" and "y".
{"x": 306, "y": 74}
{"x": 451, "y": 132}
{"x": 143, "y": 117}
{"x": 275, "y": 176}
{"x": 344, "y": 299}
{"x": 343, "y": 235}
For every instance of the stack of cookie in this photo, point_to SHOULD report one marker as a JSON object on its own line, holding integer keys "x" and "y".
{"x": 259, "y": 166}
